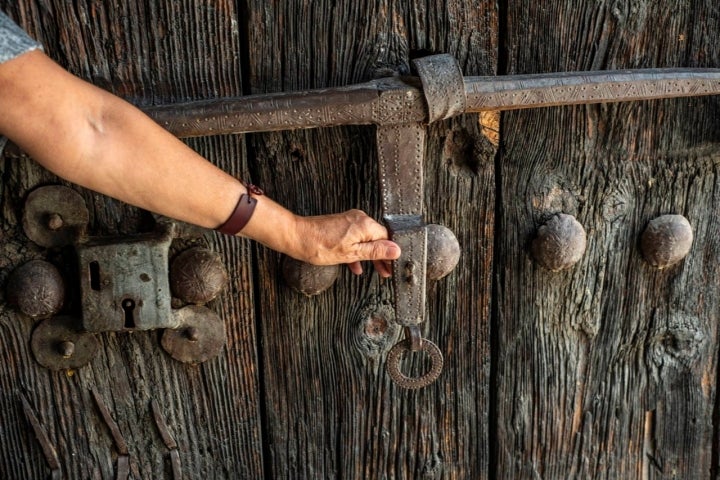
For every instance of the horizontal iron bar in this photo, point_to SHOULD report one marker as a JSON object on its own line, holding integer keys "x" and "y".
{"x": 400, "y": 100}
{"x": 515, "y": 92}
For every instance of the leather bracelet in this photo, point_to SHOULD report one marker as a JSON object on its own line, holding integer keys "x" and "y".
{"x": 242, "y": 213}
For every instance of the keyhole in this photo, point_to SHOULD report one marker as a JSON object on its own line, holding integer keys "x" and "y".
{"x": 128, "y": 306}
{"x": 95, "y": 275}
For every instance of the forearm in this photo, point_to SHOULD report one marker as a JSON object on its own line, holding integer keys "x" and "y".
{"x": 94, "y": 139}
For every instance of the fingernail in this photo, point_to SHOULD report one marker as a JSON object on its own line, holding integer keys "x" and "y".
{"x": 393, "y": 251}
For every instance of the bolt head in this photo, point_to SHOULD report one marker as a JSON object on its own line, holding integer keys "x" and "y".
{"x": 55, "y": 221}
{"x": 55, "y": 216}
{"x": 200, "y": 337}
{"x": 192, "y": 334}
{"x": 66, "y": 349}
{"x": 560, "y": 243}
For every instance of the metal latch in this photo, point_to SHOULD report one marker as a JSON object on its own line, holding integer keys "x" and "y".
{"x": 125, "y": 284}
{"x": 401, "y": 152}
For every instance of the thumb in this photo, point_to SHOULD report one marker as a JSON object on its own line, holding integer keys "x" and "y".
{"x": 378, "y": 250}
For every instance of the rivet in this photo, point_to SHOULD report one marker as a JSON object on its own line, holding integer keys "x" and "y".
{"x": 66, "y": 349}
{"x": 560, "y": 243}
{"x": 55, "y": 221}
{"x": 666, "y": 240}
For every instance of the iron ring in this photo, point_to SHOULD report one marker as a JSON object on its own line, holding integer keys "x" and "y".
{"x": 393, "y": 365}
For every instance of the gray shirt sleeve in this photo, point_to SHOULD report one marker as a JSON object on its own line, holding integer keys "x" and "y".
{"x": 13, "y": 40}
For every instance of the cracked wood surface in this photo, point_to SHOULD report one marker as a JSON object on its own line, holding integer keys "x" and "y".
{"x": 609, "y": 370}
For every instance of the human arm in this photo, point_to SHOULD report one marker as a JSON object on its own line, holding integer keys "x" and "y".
{"x": 95, "y": 139}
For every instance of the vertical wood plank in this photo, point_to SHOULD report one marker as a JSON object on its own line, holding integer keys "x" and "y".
{"x": 331, "y": 410}
{"x": 608, "y": 370}
{"x": 146, "y": 52}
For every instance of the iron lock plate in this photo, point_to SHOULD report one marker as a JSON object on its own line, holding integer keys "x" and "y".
{"x": 124, "y": 285}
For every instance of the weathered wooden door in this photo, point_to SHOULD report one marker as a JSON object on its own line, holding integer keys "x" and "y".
{"x": 607, "y": 370}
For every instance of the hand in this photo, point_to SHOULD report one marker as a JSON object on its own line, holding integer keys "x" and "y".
{"x": 348, "y": 237}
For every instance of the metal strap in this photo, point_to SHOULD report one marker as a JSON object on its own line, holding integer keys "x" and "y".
{"x": 400, "y": 153}
{"x": 443, "y": 86}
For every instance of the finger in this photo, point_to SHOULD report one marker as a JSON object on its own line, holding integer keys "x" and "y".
{"x": 355, "y": 268}
{"x": 384, "y": 268}
{"x": 375, "y": 230}
{"x": 377, "y": 250}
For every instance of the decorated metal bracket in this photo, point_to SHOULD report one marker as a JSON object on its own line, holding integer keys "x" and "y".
{"x": 126, "y": 284}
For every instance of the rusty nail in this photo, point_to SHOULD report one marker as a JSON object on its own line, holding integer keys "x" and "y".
{"x": 112, "y": 425}
{"x": 123, "y": 467}
{"x": 66, "y": 349}
{"x": 175, "y": 463}
{"x": 162, "y": 426}
{"x": 55, "y": 221}
{"x": 48, "y": 450}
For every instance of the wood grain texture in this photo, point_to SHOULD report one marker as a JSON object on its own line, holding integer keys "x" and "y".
{"x": 331, "y": 410}
{"x": 609, "y": 370}
{"x": 147, "y": 52}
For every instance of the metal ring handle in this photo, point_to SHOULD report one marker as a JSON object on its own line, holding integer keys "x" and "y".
{"x": 393, "y": 365}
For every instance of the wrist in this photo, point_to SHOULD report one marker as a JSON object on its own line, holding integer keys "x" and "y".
{"x": 243, "y": 211}
{"x": 274, "y": 226}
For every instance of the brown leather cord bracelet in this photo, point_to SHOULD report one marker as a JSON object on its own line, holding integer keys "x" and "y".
{"x": 242, "y": 213}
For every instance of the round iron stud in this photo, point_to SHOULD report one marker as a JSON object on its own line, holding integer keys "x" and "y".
{"x": 308, "y": 279}
{"x": 666, "y": 240}
{"x": 560, "y": 243}
{"x": 197, "y": 276}
{"x": 36, "y": 288}
{"x": 443, "y": 251}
